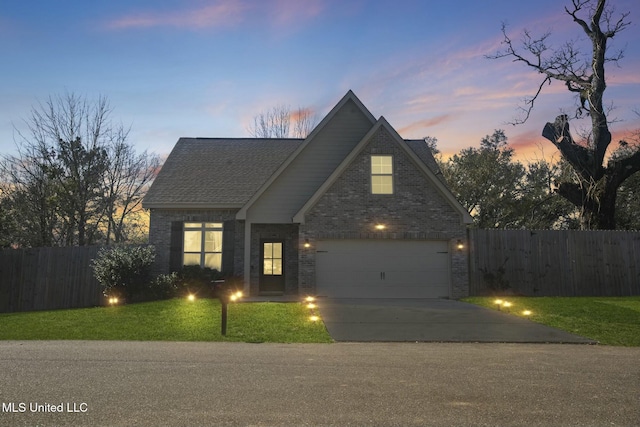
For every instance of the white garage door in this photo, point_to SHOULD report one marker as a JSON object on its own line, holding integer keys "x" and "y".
{"x": 382, "y": 269}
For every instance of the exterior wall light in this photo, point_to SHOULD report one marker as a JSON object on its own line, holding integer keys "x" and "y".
{"x": 460, "y": 245}
{"x": 380, "y": 227}
{"x": 307, "y": 245}
{"x": 113, "y": 300}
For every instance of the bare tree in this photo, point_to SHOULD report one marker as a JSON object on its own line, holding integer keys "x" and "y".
{"x": 594, "y": 187}
{"x": 75, "y": 179}
{"x": 126, "y": 182}
{"x": 276, "y": 123}
{"x": 304, "y": 120}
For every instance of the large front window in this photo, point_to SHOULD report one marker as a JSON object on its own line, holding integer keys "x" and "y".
{"x": 203, "y": 244}
{"x": 381, "y": 175}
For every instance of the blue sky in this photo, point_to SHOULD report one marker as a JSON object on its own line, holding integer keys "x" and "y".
{"x": 173, "y": 68}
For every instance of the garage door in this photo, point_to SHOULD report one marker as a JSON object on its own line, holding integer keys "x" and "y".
{"x": 382, "y": 269}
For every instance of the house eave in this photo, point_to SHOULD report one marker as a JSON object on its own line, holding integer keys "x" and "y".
{"x": 194, "y": 205}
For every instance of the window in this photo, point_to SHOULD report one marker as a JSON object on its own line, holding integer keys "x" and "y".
{"x": 202, "y": 244}
{"x": 272, "y": 259}
{"x": 381, "y": 175}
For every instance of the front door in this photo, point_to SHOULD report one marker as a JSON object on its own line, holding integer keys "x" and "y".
{"x": 272, "y": 267}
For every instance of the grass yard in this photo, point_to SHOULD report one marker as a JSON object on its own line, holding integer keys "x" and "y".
{"x": 169, "y": 320}
{"x": 609, "y": 320}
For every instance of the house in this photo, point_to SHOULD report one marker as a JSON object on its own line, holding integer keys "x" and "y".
{"x": 353, "y": 210}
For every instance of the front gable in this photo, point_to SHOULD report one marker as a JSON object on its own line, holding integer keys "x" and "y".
{"x": 428, "y": 202}
{"x": 300, "y": 176}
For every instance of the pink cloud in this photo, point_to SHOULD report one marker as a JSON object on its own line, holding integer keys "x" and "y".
{"x": 216, "y": 15}
{"x": 427, "y": 123}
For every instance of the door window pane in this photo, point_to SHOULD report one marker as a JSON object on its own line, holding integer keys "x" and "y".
{"x": 277, "y": 267}
{"x": 272, "y": 259}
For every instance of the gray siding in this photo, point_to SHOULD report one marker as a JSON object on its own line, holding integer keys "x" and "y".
{"x": 308, "y": 171}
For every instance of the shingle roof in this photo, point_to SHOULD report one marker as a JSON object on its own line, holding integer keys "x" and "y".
{"x": 424, "y": 153}
{"x": 226, "y": 172}
{"x": 217, "y": 172}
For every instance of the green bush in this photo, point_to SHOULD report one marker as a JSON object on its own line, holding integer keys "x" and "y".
{"x": 164, "y": 286}
{"x": 124, "y": 271}
{"x": 197, "y": 280}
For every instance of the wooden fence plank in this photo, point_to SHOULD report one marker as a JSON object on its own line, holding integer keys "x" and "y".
{"x": 557, "y": 263}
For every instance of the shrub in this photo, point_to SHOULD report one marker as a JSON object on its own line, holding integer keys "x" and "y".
{"x": 124, "y": 271}
{"x": 164, "y": 286}
{"x": 197, "y": 280}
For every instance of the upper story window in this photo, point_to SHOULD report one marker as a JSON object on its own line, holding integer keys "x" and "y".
{"x": 203, "y": 244}
{"x": 381, "y": 174}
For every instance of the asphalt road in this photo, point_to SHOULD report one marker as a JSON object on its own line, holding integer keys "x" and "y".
{"x": 342, "y": 384}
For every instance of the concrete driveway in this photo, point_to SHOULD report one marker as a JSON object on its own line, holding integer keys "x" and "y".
{"x": 431, "y": 320}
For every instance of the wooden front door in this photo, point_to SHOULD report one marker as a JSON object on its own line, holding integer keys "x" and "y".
{"x": 272, "y": 267}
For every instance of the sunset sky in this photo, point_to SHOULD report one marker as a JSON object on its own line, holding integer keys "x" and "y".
{"x": 173, "y": 68}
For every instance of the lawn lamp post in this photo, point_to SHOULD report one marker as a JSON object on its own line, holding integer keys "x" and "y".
{"x": 225, "y": 295}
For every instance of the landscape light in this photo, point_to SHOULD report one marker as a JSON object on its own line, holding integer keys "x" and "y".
{"x": 498, "y": 301}
{"x": 191, "y": 297}
{"x": 311, "y": 305}
{"x": 113, "y": 300}
{"x": 309, "y": 299}
{"x": 314, "y": 318}
{"x": 527, "y": 312}
{"x": 506, "y": 304}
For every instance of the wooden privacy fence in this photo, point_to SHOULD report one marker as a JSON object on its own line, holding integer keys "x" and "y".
{"x": 48, "y": 278}
{"x": 555, "y": 262}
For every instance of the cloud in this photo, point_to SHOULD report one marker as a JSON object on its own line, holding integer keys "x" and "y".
{"x": 286, "y": 13}
{"x": 220, "y": 14}
{"x": 426, "y": 123}
{"x": 280, "y": 14}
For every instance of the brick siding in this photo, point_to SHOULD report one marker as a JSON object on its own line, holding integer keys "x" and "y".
{"x": 416, "y": 211}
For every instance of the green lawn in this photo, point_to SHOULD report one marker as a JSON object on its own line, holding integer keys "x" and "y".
{"x": 169, "y": 320}
{"x": 609, "y": 320}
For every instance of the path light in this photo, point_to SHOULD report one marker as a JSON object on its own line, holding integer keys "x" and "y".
{"x": 311, "y": 305}
{"x": 310, "y": 299}
{"x": 314, "y": 318}
{"x": 527, "y": 313}
{"x": 224, "y": 298}
{"x": 506, "y": 304}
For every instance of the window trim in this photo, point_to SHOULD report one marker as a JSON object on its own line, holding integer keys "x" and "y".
{"x": 390, "y": 175}
{"x": 203, "y": 227}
